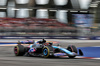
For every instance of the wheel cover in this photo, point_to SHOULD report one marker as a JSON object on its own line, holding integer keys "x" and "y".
{"x": 16, "y": 50}
{"x": 45, "y": 52}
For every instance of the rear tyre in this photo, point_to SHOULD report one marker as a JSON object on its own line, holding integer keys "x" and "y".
{"x": 19, "y": 50}
{"x": 72, "y": 48}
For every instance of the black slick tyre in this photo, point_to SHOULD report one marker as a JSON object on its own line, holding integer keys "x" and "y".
{"x": 19, "y": 50}
{"x": 72, "y": 48}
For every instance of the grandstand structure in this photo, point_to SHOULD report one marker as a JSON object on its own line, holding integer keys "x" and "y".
{"x": 41, "y": 17}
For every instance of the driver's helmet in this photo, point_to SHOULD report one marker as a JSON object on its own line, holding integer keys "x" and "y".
{"x": 44, "y": 41}
{"x": 41, "y": 41}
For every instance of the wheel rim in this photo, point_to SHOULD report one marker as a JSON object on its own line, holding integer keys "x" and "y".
{"x": 45, "y": 52}
{"x": 16, "y": 50}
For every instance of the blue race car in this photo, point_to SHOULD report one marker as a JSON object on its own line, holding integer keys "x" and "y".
{"x": 44, "y": 49}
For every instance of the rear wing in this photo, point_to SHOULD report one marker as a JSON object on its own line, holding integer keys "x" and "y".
{"x": 26, "y": 42}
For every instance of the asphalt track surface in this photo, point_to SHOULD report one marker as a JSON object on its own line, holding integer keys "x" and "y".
{"x": 7, "y": 57}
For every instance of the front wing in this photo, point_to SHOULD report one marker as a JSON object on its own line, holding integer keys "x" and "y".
{"x": 65, "y": 52}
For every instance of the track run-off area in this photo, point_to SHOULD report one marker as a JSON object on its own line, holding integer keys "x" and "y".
{"x": 7, "y": 57}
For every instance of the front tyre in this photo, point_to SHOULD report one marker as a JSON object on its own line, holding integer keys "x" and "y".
{"x": 72, "y": 48}
{"x": 47, "y": 51}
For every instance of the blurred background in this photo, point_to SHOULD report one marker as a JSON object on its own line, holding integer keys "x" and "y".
{"x": 50, "y": 18}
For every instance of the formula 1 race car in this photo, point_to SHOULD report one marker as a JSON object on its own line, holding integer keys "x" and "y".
{"x": 43, "y": 49}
